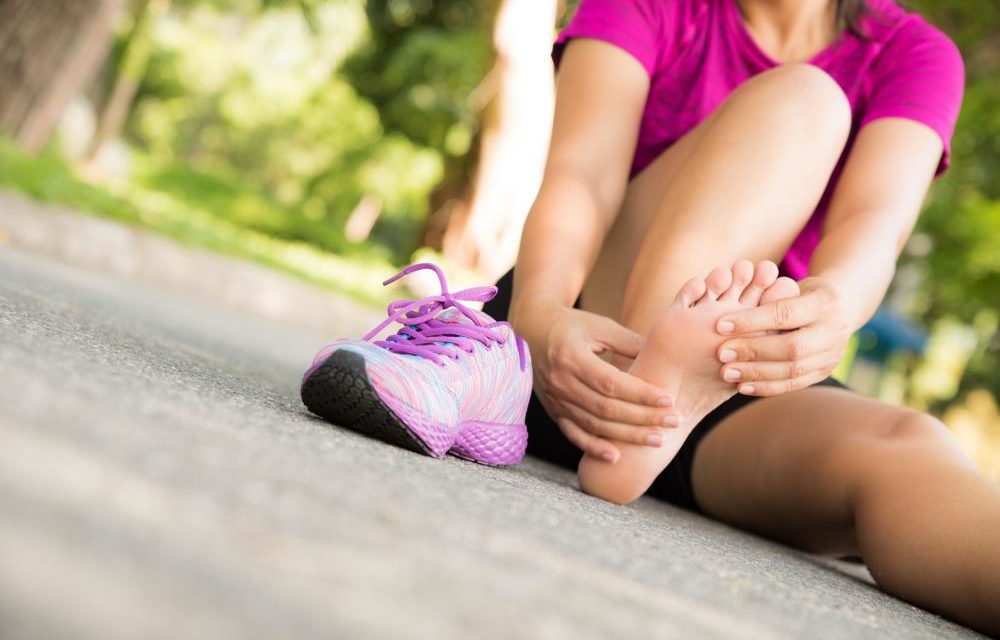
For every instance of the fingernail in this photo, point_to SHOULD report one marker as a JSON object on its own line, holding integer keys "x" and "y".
{"x": 665, "y": 401}
{"x": 654, "y": 439}
{"x": 671, "y": 421}
{"x": 732, "y": 375}
{"x": 607, "y": 456}
{"x": 727, "y": 355}
{"x": 726, "y": 326}
{"x": 746, "y": 389}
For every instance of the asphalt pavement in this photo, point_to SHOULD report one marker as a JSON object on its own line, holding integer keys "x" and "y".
{"x": 159, "y": 478}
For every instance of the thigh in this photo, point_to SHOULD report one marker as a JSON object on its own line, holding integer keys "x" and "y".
{"x": 740, "y": 185}
{"x": 789, "y": 467}
{"x": 602, "y": 292}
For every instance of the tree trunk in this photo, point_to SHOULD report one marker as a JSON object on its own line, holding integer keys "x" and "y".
{"x": 49, "y": 51}
{"x": 130, "y": 74}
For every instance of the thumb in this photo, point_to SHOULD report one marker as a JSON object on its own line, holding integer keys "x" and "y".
{"x": 619, "y": 339}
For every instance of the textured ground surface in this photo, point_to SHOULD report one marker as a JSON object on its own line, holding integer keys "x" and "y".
{"x": 159, "y": 478}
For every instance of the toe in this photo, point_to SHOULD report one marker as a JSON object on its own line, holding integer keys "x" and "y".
{"x": 782, "y": 288}
{"x": 718, "y": 282}
{"x": 692, "y": 291}
{"x": 764, "y": 276}
{"x": 742, "y": 275}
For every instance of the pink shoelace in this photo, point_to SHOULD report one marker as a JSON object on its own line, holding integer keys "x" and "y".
{"x": 425, "y": 336}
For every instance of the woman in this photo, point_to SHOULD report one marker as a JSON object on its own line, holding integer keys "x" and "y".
{"x": 694, "y": 134}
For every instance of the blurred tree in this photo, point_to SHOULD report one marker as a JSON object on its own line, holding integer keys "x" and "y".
{"x": 130, "y": 72}
{"x": 959, "y": 232}
{"x": 49, "y": 50}
{"x": 420, "y": 64}
{"x": 420, "y": 68}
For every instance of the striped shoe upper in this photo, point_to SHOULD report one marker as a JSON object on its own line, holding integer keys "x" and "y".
{"x": 449, "y": 363}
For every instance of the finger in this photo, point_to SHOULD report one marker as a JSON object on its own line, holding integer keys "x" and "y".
{"x": 765, "y": 389}
{"x": 591, "y": 445}
{"x": 787, "y": 313}
{"x": 615, "y": 410}
{"x": 619, "y": 339}
{"x": 776, "y": 371}
{"x": 610, "y": 430}
{"x": 786, "y": 347}
{"x": 608, "y": 380}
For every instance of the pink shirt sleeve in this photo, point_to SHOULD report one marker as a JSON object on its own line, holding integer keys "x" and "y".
{"x": 631, "y": 25}
{"x": 919, "y": 75}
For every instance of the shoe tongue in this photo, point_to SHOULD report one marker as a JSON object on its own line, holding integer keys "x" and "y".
{"x": 454, "y": 316}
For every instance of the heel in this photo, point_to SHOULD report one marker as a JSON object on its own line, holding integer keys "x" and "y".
{"x": 491, "y": 443}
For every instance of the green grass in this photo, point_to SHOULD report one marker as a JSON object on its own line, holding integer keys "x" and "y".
{"x": 48, "y": 178}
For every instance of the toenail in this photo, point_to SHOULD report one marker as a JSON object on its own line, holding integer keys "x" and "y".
{"x": 726, "y": 326}
{"x": 732, "y": 375}
{"x": 727, "y": 355}
{"x": 654, "y": 439}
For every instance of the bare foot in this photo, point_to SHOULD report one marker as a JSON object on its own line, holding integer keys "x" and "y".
{"x": 679, "y": 356}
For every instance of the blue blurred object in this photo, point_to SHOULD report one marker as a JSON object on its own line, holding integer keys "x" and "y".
{"x": 887, "y": 333}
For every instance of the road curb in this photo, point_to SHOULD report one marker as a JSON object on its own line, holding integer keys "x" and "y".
{"x": 100, "y": 245}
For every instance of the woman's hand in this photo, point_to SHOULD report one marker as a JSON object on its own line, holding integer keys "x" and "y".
{"x": 814, "y": 330}
{"x": 590, "y": 399}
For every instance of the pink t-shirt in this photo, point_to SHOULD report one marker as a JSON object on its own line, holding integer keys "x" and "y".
{"x": 697, "y": 51}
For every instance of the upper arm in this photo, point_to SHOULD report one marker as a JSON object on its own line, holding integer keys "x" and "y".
{"x": 886, "y": 177}
{"x": 906, "y": 125}
{"x": 600, "y": 95}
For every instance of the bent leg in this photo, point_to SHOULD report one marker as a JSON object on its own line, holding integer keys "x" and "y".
{"x": 831, "y": 472}
{"x": 740, "y": 185}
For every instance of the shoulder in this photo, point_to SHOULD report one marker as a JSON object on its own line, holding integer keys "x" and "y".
{"x": 612, "y": 9}
{"x": 652, "y": 14}
{"x": 902, "y": 34}
{"x": 646, "y": 29}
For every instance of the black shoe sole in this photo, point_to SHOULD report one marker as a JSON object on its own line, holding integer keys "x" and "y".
{"x": 340, "y": 392}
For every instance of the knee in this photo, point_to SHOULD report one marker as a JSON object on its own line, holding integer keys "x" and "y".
{"x": 908, "y": 427}
{"x": 901, "y": 445}
{"x": 806, "y": 94}
{"x": 889, "y": 449}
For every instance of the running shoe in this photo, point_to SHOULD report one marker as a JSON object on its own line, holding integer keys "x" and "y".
{"x": 451, "y": 380}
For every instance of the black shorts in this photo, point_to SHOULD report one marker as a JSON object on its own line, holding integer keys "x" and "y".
{"x": 547, "y": 442}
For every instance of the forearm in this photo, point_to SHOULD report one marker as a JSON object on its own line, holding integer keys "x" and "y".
{"x": 858, "y": 257}
{"x": 560, "y": 242}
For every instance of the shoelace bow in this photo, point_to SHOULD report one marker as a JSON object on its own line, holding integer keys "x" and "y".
{"x": 424, "y": 335}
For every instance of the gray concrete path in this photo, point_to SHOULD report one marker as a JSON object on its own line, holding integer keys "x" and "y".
{"x": 159, "y": 478}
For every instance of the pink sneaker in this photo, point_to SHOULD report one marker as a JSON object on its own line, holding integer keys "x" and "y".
{"x": 451, "y": 380}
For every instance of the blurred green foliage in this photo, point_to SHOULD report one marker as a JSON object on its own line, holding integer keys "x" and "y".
{"x": 49, "y": 178}
{"x": 242, "y": 112}
{"x": 265, "y": 114}
{"x": 420, "y": 65}
{"x": 961, "y": 272}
